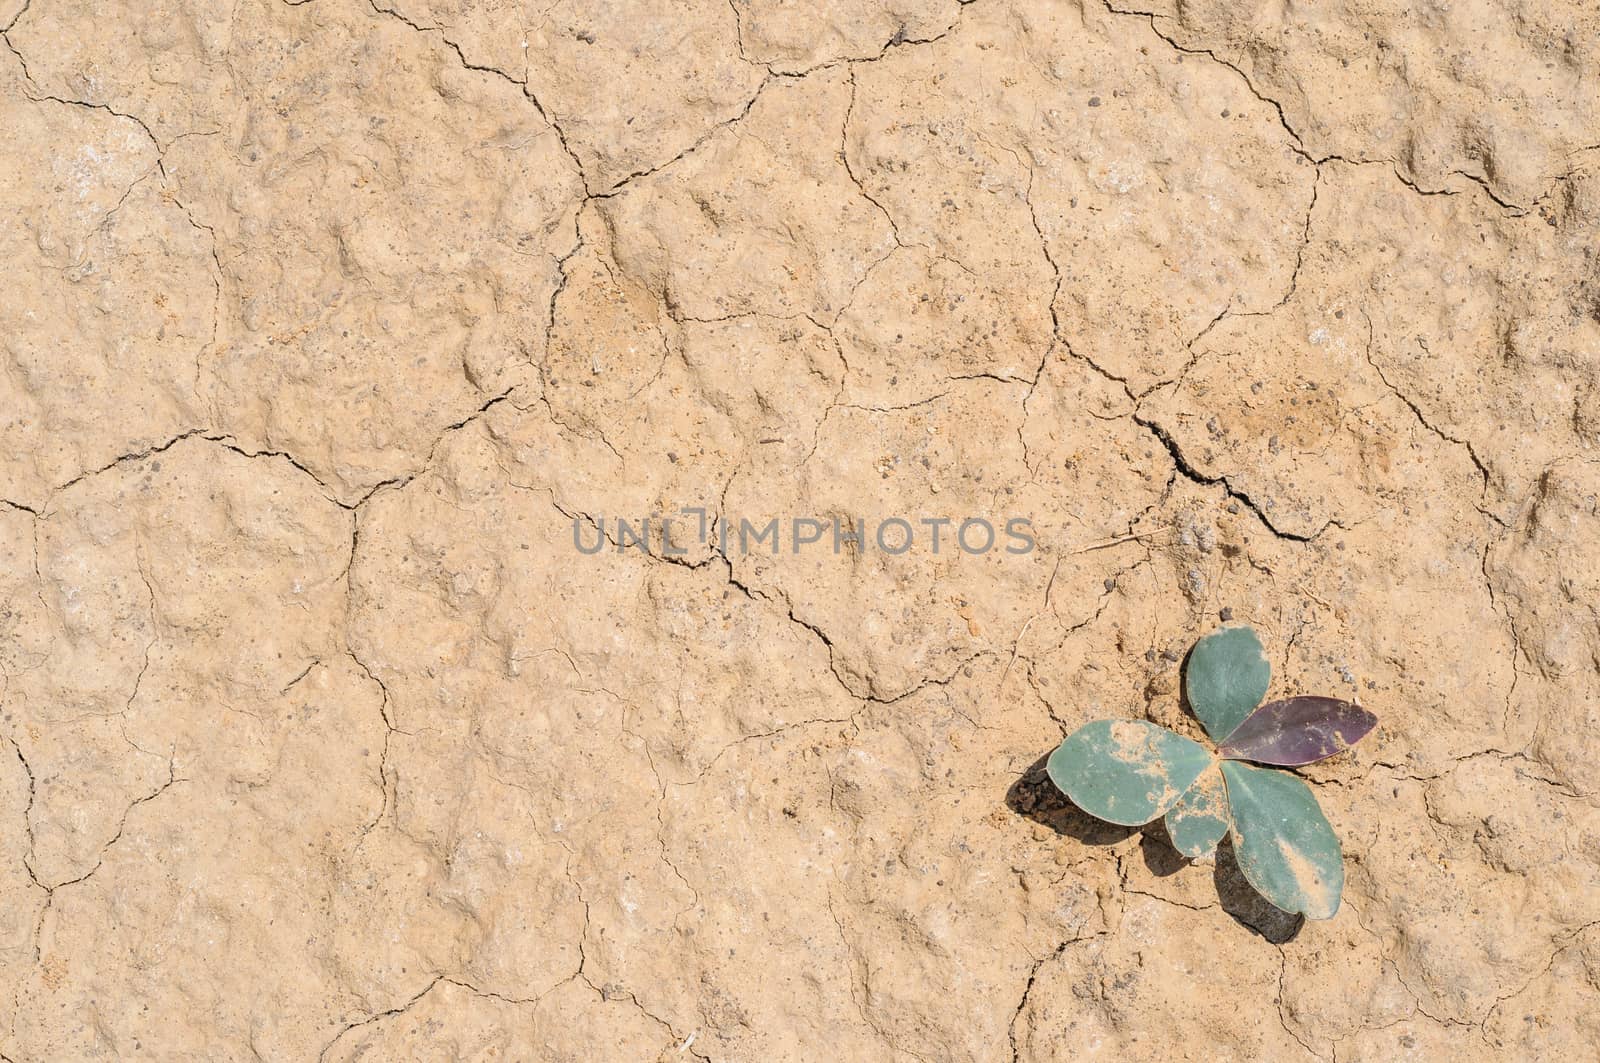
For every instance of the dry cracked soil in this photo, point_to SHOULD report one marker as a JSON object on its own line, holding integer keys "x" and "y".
{"x": 335, "y": 334}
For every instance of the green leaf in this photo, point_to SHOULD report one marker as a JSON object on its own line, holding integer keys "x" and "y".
{"x": 1227, "y": 677}
{"x": 1283, "y": 843}
{"x": 1126, "y": 771}
{"x": 1200, "y": 818}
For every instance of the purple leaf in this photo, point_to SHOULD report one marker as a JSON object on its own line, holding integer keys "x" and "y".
{"x": 1298, "y": 731}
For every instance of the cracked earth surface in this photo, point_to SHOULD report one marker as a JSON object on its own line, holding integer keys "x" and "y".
{"x": 325, "y": 322}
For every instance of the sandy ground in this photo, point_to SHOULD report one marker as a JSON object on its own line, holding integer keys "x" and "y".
{"x": 326, "y": 326}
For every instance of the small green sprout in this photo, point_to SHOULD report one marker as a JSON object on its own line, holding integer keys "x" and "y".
{"x": 1130, "y": 772}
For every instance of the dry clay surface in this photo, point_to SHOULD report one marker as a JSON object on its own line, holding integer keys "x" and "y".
{"x": 325, "y": 323}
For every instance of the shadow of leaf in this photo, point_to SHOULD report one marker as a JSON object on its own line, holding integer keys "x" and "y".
{"x": 1247, "y": 907}
{"x": 1033, "y": 796}
{"x": 1160, "y": 858}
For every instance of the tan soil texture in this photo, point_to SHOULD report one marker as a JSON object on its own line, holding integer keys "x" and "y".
{"x": 323, "y": 323}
